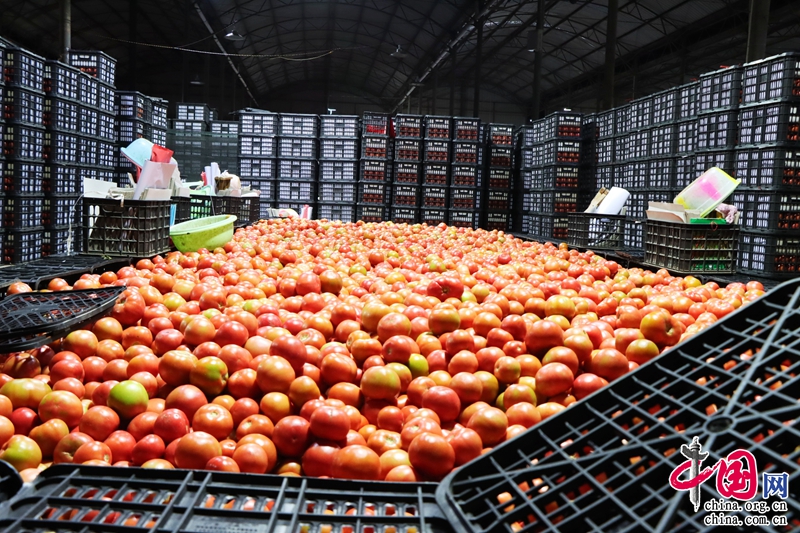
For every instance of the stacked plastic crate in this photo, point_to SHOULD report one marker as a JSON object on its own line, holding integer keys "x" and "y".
{"x": 338, "y": 188}
{"x": 499, "y": 183}
{"x": 23, "y": 152}
{"x": 465, "y": 196}
{"x": 587, "y": 187}
{"x": 530, "y": 199}
{"x": 408, "y": 168}
{"x": 622, "y": 175}
{"x": 376, "y": 178}
{"x": 258, "y": 148}
{"x": 223, "y": 144}
{"x": 296, "y": 184}
{"x": 719, "y": 95}
{"x": 160, "y": 123}
{"x": 187, "y": 138}
{"x": 767, "y": 161}
{"x": 686, "y": 134}
{"x": 434, "y": 153}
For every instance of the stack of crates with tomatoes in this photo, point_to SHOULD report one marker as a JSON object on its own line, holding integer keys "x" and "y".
{"x": 549, "y": 161}
{"x": 376, "y": 170}
{"x": 767, "y": 161}
{"x": 498, "y": 180}
{"x": 297, "y": 152}
{"x": 467, "y": 173}
{"x": 97, "y": 153}
{"x": 338, "y": 187}
{"x": 23, "y": 155}
{"x": 258, "y": 150}
{"x": 187, "y": 138}
{"x": 408, "y": 168}
{"x": 432, "y": 151}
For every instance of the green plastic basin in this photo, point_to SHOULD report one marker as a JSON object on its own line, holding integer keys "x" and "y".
{"x": 208, "y": 233}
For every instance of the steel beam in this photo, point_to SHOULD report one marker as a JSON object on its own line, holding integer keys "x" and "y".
{"x": 757, "y": 30}
{"x": 611, "y": 53}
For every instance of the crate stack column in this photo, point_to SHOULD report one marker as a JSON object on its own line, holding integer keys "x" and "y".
{"x": 587, "y": 187}
{"x": 622, "y": 175}
{"x": 717, "y": 119}
{"x": 24, "y": 150}
{"x": 160, "y": 123}
{"x": 498, "y": 181}
{"x": 375, "y": 178}
{"x": 767, "y": 163}
{"x": 686, "y": 133}
{"x": 434, "y": 155}
{"x": 296, "y": 185}
{"x": 409, "y": 170}
{"x": 258, "y": 148}
{"x": 223, "y": 145}
{"x": 187, "y": 138}
{"x": 637, "y": 146}
{"x": 134, "y": 113}
{"x": 338, "y": 167}
{"x": 467, "y": 174}
{"x": 660, "y": 181}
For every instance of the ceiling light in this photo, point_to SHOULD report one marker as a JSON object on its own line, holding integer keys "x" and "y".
{"x": 196, "y": 81}
{"x": 234, "y": 35}
{"x": 399, "y": 53}
{"x": 530, "y": 44}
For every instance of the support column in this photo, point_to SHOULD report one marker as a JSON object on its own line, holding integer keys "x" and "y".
{"x": 611, "y": 52}
{"x": 66, "y": 19}
{"x": 452, "y": 82}
{"x": 757, "y": 30}
{"x": 133, "y": 15}
{"x": 476, "y": 99}
{"x": 537, "y": 62}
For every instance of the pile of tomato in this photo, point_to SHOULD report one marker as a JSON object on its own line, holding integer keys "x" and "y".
{"x": 358, "y": 351}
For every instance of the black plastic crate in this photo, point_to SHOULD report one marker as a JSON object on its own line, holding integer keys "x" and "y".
{"x": 432, "y": 217}
{"x": 470, "y": 175}
{"x": 661, "y": 173}
{"x": 634, "y": 175}
{"x": 225, "y": 127}
{"x": 464, "y": 218}
{"x": 640, "y": 114}
{"x": 181, "y": 500}
{"x": 372, "y": 213}
{"x": 299, "y": 125}
{"x": 88, "y": 90}
{"x": 556, "y": 202}
{"x": 23, "y": 211}
{"x": 406, "y": 195}
{"x": 296, "y": 206}
{"x": 663, "y": 140}
{"x": 23, "y": 142}
{"x": 55, "y": 180}
{"x": 376, "y": 148}
{"x": 768, "y": 210}
{"x": 133, "y": 104}
{"x": 621, "y": 122}
{"x": 338, "y": 148}
{"x": 374, "y": 193}
{"x": 89, "y": 121}
{"x": 605, "y": 124}
{"x": 435, "y": 174}
{"x": 724, "y": 159}
{"x": 376, "y": 170}
{"x": 532, "y": 201}
{"x": 94, "y": 63}
{"x": 638, "y": 144}
{"x": 129, "y": 228}
{"x": 61, "y": 114}
{"x": 160, "y": 107}
{"x": 22, "y": 177}
{"x": 60, "y": 147}
{"x": 345, "y": 213}
{"x": 561, "y": 125}
{"x": 596, "y": 232}
{"x": 183, "y": 209}
{"x": 468, "y": 152}
{"x": 23, "y": 105}
{"x": 638, "y": 203}
{"x": 466, "y": 198}
{"x": 768, "y": 167}
{"x": 665, "y": 106}
{"x": 339, "y": 126}
{"x": 687, "y": 100}
{"x": 557, "y": 176}
{"x": 436, "y": 150}
{"x": 257, "y": 146}
{"x": 408, "y": 126}
{"x": 61, "y": 211}
{"x": 685, "y": 171}
{"x": 201, "y": 206}
{"x": 500, "y": 156}
{"x": 605, "y": 150}
{"x": 23, "y": 68}
{"x": 525, "y": 137}
{"x": 498, "y": 199}
{"x": 256, "y": 122}
{"x": 774, "y": 122}
{"x": 500, "y": 134}
{"x": 190, "y": 111}
{"x": 258, "y": 168}
{"x": 189, "y": 126}
{"x": 467, "y": 129}
{"x": 434, "y": 197}
{"x": 686, "y": 136}
{"x": 267, "y": 188}
{"x": 691, "y": 248}
{"x": 608, "y": 176}
{"x": 403, "y": 172}
{"x": 297, "y": 170}
{"x": 61, "y": 80}
{"x": 338, "y": 170}
{"x": 717, "y": 130}
{"x": 558, "y": 152}
{"x": 106, "y": 98}
{"x": 296, "y": 191}
{"x": 555, "y": 227}
{"x": 22, "y": 246}
{"x": 771, "y": 78}
{"x": 191, "y": 148}
{"x": 106, "y": 125}
{"x": 401, "y": 214}
{"x": 438, "y": 127}
{"x": 129, "y": 129}
{"x": 720, "y": 89}
{"x": 338, "y": 191}
{"x": 498, "y": 220}
{"x": 406, "y": 150}
{"x": 375, "y": 124}
{"x": 774, "y": 255}
{"x": 621, "y": 148}
{"x": 633, "y": 236}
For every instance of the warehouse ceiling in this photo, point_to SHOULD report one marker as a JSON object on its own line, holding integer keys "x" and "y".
{"x": 293, "y": 47}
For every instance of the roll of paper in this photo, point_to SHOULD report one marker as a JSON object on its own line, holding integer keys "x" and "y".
{"x": 614, "y": 202}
